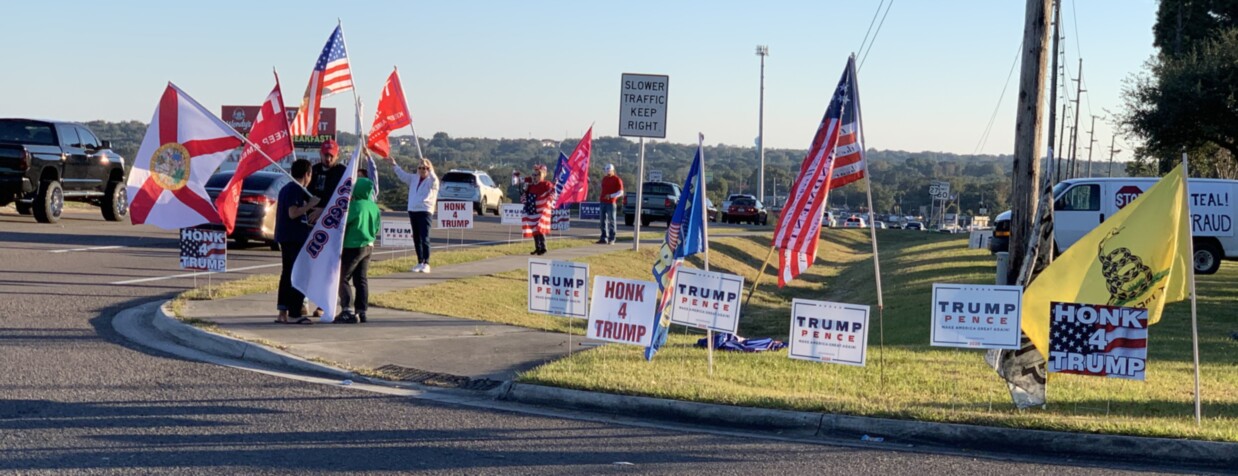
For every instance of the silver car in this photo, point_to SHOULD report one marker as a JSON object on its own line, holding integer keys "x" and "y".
{"x": 471, "y": 186}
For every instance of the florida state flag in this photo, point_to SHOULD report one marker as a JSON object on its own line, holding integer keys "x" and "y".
{"x": 392, "y": 114}
{"x": 268, "y": 135}
{"x": 183, "y": 146}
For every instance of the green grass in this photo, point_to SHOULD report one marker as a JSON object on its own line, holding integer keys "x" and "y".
{"x": 918, "y": 381}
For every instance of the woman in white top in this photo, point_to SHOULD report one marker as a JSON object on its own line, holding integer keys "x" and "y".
{"x": 422, "y": 200}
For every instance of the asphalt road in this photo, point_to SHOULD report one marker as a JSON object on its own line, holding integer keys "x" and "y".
{"x": 75, "y": 397}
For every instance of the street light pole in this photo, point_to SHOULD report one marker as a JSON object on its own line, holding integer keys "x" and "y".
{"x": 762, "y": 51}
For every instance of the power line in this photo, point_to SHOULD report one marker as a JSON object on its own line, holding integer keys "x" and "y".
{"x": 878, "y": 32}
{"x": 984, "y": 138}
{"x": 870, "y": 26}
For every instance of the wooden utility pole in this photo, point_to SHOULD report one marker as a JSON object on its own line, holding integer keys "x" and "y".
{"x": 1025, "y": 188}
{"x": 1091, "y": 142}
{"x": 1111, "y": 152}
{"x": 1074, "y": 131}
{"x": 1057, "y": 19}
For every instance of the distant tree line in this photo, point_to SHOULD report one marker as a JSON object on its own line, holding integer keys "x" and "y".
{"x": 900, "y": 185}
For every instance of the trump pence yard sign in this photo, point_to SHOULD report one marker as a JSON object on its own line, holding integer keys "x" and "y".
{"x": 622, "y": 311}
{"x": 707, "y": 300}
{"x": 558, "y": 287}
{"x": 829, "y": 332}
{"x": 976, "y": 316}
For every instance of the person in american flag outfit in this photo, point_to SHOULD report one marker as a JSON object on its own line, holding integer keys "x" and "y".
{"x": 538, "y": 198}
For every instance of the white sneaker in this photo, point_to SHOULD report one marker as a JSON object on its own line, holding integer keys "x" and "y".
{"x": 425, "y": 268}
{"x": 419, "y": 268}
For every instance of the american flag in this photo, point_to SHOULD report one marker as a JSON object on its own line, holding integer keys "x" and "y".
{"x": 332, "y": 74}
{"x": 537, "y": 212}
{"x": 1097, "y": 340}
{"x": 835, "y": 158}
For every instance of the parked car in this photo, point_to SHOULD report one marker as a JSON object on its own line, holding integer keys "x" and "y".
{"x": 471, "y": 186}
{"x": 880, "y": 225}
{"x": 830, "y": 220}
{"x": 1001, "y": 233}
{"x": 726, "y": 204}
{"x": 855, "y": 221}
{"x": 255, "y": 212}
{"x": 914, "y": 225}
{"x": 45, "y": 163}
{"x": 748, "y": 210}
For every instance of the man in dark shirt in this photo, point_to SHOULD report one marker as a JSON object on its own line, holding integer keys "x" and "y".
{"x": 327, "y": 174}
{"x": 292, "y": 228}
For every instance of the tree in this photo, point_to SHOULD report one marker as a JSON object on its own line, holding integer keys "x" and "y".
{"x": 1187, "y": 98}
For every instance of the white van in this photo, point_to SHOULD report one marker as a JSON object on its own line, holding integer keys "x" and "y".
{"x": 1082, "y": 204}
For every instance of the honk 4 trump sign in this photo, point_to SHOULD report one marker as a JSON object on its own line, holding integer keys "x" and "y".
{"x": 558, "y": 287}
{"x": 829, "y": 332}
{"x": 622, "y": 311}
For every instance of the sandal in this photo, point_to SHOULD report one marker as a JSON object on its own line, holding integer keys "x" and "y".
{"x": 304, "y": 320}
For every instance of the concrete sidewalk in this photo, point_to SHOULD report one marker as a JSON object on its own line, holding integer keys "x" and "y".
{"x": 411, "y": 345}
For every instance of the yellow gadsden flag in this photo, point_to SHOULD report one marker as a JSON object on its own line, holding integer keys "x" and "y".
{"x": 1139, "y": 257}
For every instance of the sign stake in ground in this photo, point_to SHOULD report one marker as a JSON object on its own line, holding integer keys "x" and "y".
{"x": 642, "y": 113}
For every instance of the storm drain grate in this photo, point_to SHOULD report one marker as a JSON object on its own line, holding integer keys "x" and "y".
{"x": 436, "y": 379}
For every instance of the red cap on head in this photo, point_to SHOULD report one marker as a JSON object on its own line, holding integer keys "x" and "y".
{"x": 331, "y": 147}
{"x": 540, "y": 167}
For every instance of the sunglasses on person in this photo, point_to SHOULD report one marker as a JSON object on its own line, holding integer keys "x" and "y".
{"x": 423, "y": 168}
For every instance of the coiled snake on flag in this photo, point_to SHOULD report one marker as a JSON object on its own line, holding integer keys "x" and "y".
{"x": 1125, "y": 274}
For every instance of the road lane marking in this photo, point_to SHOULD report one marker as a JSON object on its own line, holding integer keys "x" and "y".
{"x": 272, "y": 265}
{"x": 92, "y": 248}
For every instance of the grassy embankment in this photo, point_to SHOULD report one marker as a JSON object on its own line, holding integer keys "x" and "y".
{"x": 908, "y": 379}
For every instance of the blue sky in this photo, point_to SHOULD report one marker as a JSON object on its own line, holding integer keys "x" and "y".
{"x": 547, "y": 69}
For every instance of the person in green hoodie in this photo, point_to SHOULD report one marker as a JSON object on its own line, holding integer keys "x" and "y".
{"x": 364, "y": 221}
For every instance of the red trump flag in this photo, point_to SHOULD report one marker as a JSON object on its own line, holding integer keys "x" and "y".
{"x": 392, "y": 114}
{"x": 269, "y": 136}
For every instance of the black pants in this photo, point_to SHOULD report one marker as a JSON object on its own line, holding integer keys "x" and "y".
{"x": 290, "y": 299}
{"x": 354, "y": 269}
{"x": 539, "y": 241}
{"x": 421, "y": 235}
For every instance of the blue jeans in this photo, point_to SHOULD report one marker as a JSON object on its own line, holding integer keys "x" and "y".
{"x": 607, "y": 222}
{"x": 421, "y": 235}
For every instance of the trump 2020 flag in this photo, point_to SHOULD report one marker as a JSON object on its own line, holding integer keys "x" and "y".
{"x": 183, "y": 146}
{"x": 269, "y": 140}
{"x": 317, "y": 269}
{"x": 685, "y": 236}
{"x": 572, "y": 174}
{"x": 835, "y": 144}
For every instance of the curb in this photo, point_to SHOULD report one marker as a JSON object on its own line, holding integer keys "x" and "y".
{"x": 1128, "y": 449}
{"x": 892, "y": 434}
{"x": 232, "y": 348}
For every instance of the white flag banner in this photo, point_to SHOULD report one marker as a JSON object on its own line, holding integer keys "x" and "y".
{"x": 317, "y": 269}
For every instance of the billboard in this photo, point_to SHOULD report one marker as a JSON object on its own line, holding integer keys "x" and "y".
{"x": 242, "y": 118}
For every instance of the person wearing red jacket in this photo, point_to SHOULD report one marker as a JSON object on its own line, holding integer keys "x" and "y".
{"x": 612, "y": 191}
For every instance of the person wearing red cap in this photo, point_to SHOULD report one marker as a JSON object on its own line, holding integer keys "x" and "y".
{"x": 327, "y": 173}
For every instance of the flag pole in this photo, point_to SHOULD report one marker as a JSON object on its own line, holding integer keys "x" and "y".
{"x": 872, "y": 228}
{"x": 416, "y": 141}
{"x": 700, "y": 144}
{"x": 759, "y": 275}
{"x": 1191, "y": 269}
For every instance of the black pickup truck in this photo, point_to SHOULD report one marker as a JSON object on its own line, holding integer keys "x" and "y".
{"x": 44, "y": 163}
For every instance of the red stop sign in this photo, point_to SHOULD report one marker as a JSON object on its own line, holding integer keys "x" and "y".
{"x": 1126, "y": 195}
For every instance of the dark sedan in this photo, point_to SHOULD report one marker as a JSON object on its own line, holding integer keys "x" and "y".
{"x": 746, "y": 210}
{"x": 255, "y": 213}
